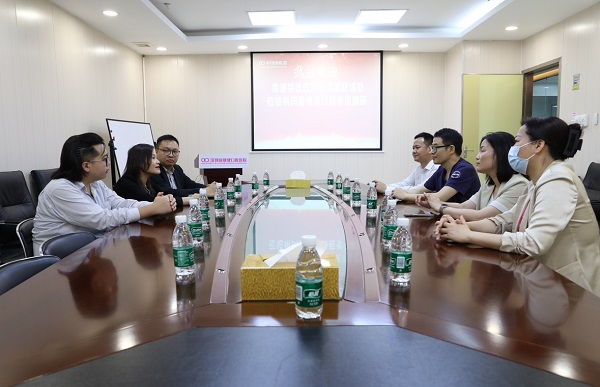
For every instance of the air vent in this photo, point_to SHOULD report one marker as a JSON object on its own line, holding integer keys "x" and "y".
{"x": 142, "y": 44}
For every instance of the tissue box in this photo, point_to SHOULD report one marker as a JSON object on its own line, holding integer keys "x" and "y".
{"x": 260, "y": 282}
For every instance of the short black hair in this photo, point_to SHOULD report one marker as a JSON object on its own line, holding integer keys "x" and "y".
{"x": 427, "y": 138}
{"x": 75, "y": 151}
{"x": 501, "y": 142}
{"x": 563, "y": 140}
{"x": 139, "y": 158}
{"x": 451, "y": 137}
{"x": 166, "y": 137}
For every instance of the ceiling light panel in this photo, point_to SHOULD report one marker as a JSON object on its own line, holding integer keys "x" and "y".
{"x": 272, "y": 18}
{"x": 383, "y": 16}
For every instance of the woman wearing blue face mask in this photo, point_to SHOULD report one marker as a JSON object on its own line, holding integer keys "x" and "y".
{"x": 554, "y": 220}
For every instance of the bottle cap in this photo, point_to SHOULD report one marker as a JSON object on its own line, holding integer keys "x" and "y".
{"x": 356, "y": 180}
{"x": 180, "y": 219}
{"x": 237, "y": 175}
{"x": 372, "y": 184}
{"x": 402, "y": 222}
{"x": 219, "y": 185}
{"x": 254, "y": 173}
{"x": 388, "y": 191}
{"x": 202, "y": 191}
{"x": 193, "y": 202}
{"x": 230, "y": 179}
{"x": 309, "y": 240}
{"x": 392, "y": 202}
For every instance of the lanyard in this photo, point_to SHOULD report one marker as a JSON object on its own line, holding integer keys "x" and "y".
{"x": 521, "y": 218}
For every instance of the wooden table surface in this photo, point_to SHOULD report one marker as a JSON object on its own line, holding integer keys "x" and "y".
{"x": 120, "y": 292}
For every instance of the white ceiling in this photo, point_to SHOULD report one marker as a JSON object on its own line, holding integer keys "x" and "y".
{"x": 215, "y": 27}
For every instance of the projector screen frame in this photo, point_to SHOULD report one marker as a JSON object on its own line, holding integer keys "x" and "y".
{"x": 379, "y": 148}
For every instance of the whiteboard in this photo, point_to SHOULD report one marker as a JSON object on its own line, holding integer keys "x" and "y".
{"x": 126, "y": 134}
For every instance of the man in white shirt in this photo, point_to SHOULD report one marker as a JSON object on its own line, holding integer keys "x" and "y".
{"x": 426, "y": 167}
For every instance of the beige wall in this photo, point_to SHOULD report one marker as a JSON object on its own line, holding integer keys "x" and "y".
{"x": 58, "y": 77}
{"x": 204, "y": 100}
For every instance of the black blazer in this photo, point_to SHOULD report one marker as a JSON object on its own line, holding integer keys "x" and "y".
{"x": 129, "y": 187}
{"x": 185, "y": 185}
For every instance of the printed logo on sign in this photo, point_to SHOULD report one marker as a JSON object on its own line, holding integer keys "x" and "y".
{"x": 455, "y": 175}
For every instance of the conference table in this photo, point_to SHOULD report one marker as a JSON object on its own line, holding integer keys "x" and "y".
{"x": 111, "y": 313}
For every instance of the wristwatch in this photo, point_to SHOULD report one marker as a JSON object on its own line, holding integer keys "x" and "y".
{"x": 442, "y": 207}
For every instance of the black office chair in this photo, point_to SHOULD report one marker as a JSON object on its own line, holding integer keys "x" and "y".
{"x": 25, "y": 234}
{"x": 63, "y": 245}
{"x": 15, "y": 272}
{"x": 39, "y": 179}
{"x": 591, "y": 182}
{"x": 15, "y": 206}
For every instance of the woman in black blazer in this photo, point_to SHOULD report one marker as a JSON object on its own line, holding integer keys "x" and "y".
{"x": 141, "y": 164}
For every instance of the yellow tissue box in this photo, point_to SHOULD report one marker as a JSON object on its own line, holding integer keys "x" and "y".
{"x": 261, "y": 282}
{"x": 297, "y": 183}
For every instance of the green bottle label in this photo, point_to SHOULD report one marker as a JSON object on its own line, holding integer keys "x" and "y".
{"x": 230, "y": 195}
{"x": 238, "y": 188}
{"x": 196, "y": 229}
{"x": 338, "y": 186}
{"x": 254, "y": 185}
{"x": 400, "y": 262}
{"x": 346, "y": 191}
{"x": 371, "y": 204}
{"x": 219, "y": 204}
{"x": 356, "y": 196}
{"x": 183, "y": 256}
{"x": 329, "y": 181}
{"x": 388, "y": 231}
{"x": 309, "y": 294}
{"x": 205, "y": 214}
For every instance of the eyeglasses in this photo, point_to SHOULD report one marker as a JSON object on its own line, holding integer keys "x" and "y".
{"x": 104, "y": 160}
{"x": 173, "y": 152}
{"x": 434, "y": 148}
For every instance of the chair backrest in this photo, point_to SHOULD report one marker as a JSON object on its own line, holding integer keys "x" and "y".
{"x": 592, "y": 177}
{"x": 25, "y": 234}
{"x": 63, "y": 245}
{"x": 15, "y": 201}
{"x": 39, "y": 179}
{"x": 15, "y": 272}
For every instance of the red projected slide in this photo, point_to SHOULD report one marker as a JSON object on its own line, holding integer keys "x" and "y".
{"x": 316, "y": 101}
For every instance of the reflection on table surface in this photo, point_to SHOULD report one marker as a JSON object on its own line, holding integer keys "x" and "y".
{"x": 120, "y": 291}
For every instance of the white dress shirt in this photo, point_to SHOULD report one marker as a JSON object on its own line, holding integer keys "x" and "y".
{"x": 417, "y": 178}
{"x": 65, "y": 207}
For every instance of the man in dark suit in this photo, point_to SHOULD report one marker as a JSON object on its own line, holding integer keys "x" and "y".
{"x": 172, "y": 180}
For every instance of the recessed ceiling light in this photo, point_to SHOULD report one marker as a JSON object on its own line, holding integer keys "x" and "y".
{"x": 242, "y": 47}
{"x": 511, "y": 28}
{"x": 322, "y": 45}
{"x": 161, "y": 49}
{"x": 272, "y": 18}
{"x": 403, "y": 45}
{"x": 108, "y": 12}
{"x": 387, "y": 16}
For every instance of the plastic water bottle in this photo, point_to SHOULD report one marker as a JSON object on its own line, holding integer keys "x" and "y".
{"x": 401, "y": 255}
{"x": 372, "y": 201}
{"x": 346, "y": 189}
{"x": 266, "y": 180}
{"x": 230, "y": 192}
{"x": 204, "y": 206}
{"x": 195, "y": 223}
{"x": 338, "y": 184}
{"x": 219, "y": 201}
{"x": 390, "y": 223}
{"x": 254, "y": 184}
{"x": 330, "y": 181}
{"x": 183, "y": 251}
{"x": 238, "y": 186}
{"x": 386, "y": 196}
{"x": 356, "y": 193}
{"x": 309, "y": 280}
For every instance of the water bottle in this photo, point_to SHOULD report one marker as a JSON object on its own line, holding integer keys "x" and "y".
{"x": 183, "y": 251}
{"x": 390, "y": 224}
{"x": 220, "y": 225}
{"x": 338, "y": 184}
{"x": 254, "y": 184}
{"x": 401, "y": 255}
{"x": 266, "y": 180}
{"x": 330, "y": 181}
{"x": 195, "y": 223}
{"x": 238, "y": 186}
{"x": 309, "y": 280}
{"x": 230, "y": 192}
{"x": 386, "y": 196}
{"x": 219, "y": 201}
{"x": 346, "y": 189}
{"x": 356, "y": 193}
{"x": 371, "y": 201}
{"x": 204, "y": 206}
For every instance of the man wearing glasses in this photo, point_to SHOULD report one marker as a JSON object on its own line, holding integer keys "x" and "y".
{"x": 172, "y": 180}
{"x": 455, "y": 180}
